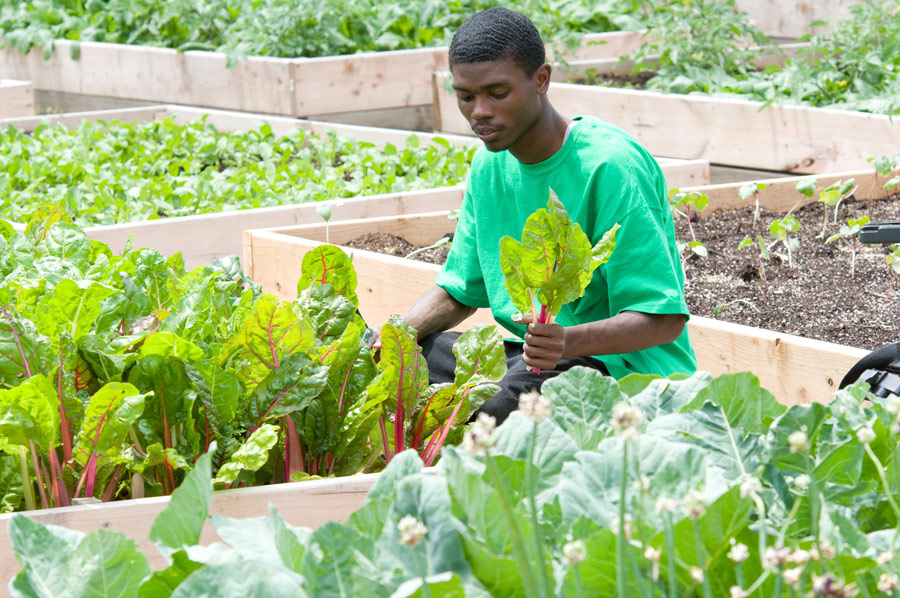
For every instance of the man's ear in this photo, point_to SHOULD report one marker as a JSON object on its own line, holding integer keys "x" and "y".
{"x": 541, "y": 78}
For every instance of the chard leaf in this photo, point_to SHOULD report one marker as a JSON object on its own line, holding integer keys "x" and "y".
{"x": 330, "y": 559}
{"x": 172, "y": 395}
{"x": 329, "y": 312}
{"x": 516, "y": 280}
{"x": 68, "y": 242}
{"x": 168, "y": 344}
{"x": 107, "y": 418}
{"x": 400, "y": 350}
{"x": 73, "y": 308}
{"x": 181, "y": 522}
{"x": 288, "y": 388}
{"x": 218, "y": 389}
{"x": 12, "y": 491}
{"x": 29, "y": 412}
{"x": 243, "y": 578}
{"x": 270, "y": 334}
{"x": 161, "y": 584}
{"x": 106, "y": 362}
{"x": 480, "y": 356}
{"x": 252, "y": 455}
{"x": 19, "y": 346}
{"x": 328, "y": 264}
{"x": 43, "y": 553}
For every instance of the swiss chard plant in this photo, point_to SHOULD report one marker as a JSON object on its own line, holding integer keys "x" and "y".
{"x": 553, "y": 263}
{"x": 686, "y": 487}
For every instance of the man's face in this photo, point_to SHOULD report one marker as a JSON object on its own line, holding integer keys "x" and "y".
{"x": 499, "y": 100}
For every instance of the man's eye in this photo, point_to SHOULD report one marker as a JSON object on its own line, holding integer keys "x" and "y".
{"x": 463, "y": 98}
{"x": 500, "y": 95}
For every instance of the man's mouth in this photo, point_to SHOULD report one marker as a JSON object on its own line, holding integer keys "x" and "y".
{"x": 486, "y": 133}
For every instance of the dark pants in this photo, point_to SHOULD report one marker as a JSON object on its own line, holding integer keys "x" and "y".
{"x": 438, "y": 351}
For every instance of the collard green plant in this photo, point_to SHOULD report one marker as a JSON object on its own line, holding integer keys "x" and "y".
{"x": 684, "y": 487}
{"x": 106, "y": 173}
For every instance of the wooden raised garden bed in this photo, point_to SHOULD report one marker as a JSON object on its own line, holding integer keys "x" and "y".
{"x": 780, "y": 18}
{"x": 16, "y": 98}
{"x": 285, "y": 86}
{"x": 794, "y": 368}
{"x": 203, "y": 238}
{"x": 726, "y": 131}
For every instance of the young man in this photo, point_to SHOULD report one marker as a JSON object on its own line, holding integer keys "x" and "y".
{"x": 632, "y": 316}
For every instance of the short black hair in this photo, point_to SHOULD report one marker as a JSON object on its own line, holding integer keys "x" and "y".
{"x": 498, "y": 34}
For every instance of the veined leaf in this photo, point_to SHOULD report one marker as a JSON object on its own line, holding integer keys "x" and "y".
{"x": 252, "y": 455}
{"x": 108, "y": 416}
{"x": 181, "y": 522}
{"x": 328, "y": 264}
{"x": 288, "y": 388}
{"x": 400, "y": 350}
{"x": 29, "y": 412}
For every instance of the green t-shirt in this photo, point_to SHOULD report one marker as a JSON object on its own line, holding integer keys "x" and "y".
{"x": 602, "y": 177}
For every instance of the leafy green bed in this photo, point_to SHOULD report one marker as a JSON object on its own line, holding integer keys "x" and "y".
{"x": 646, "y": 487}
{"x": 107, "y": 173}
{"x": 117, "y": 372}
{"x": 707, "y": 47}
{"x": 286, "y": 28}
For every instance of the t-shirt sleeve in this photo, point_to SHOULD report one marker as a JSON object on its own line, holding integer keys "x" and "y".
{"x": 461, "y": 275}
{"x": 643, "y": 273}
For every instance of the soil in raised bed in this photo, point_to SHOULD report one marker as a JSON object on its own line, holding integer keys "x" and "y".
{"x": 815, "y": 298}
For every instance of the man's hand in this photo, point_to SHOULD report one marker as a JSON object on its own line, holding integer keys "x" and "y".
{"x": 545, "y": 344}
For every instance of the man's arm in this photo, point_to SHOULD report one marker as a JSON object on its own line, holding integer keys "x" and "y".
{"x": 435, "y": 311}
{"x": 629, "y": 331}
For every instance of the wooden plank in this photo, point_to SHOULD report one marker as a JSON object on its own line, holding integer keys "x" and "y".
{"x": 304, "y": 504}
{"x": 16, "y": 98}
{"x": 737, "y": 132}
{"x": 781, "y": 195}
{"x": 797, "y": 370}
{"x": 792, "y": 18}
{"x": 71, "y": 119}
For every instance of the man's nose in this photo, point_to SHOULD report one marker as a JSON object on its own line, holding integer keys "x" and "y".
{"x": 482, "y": 108}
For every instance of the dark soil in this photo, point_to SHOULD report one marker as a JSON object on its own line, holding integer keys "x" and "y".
{"x": 394, "y": 245}
{"x": 816, "y": 298}
{"x": 636, "y": 81}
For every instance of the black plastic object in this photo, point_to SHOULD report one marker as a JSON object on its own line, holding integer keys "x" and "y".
{"x": 880, "y": 368}
{"x": 880, "y": 232}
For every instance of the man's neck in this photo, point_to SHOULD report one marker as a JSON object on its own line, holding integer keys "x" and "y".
{"x": 543, "y": 139}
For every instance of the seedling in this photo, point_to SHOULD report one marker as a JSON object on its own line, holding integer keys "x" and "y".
{"x": 833, "y": 195}
{"x": 324, "y": 211}
{"x": 752, "y": 190}
{"x": 850, "y": 231}
{"x": 781, "y": 229}
{"x": 682, "y": 204}
{"x": 885, "y": 167}
{"x": 893, "y": 260}
{"x": 439, "y": 243}
{"x": 761, "y": 251}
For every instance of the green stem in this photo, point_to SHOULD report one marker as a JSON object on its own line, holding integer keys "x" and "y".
{"x": 669, "y": 540}
{"x": 814, "y": 507}
{"x": 701, "y": 559}
{"x": 518, "y": 544}
{"x": 620, "y": 537}
{"x": 778, "y": 579}
{"x": 423, "y": 571}
{"x": 26, "y": 480}
{"x": 579, "y": 591}
{"x": 539, "y": 553}
{"x": 761, "y": 508}
{"x": 739, "y": 574}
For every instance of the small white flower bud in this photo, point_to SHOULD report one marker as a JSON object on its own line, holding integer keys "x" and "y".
{"x": 828, "y": 551}
{"x": 893, "y": 405}
{"x": 480, "y": 437}
{"x": 412, "y": 531}
{"x": 652, "y": 554}
{"x": 885, "y": 557}
{"x": 792, "y": 576}
{"x": 627, "y": 421}
{"x": 697, "y": 574}
{"x": 738, "y": 592}
{"x": 799, "y": 556}
{"x": 574, "y": 552}
{"x": 802, "y": 481}
{"x": 695, "y": 503}
{"x": 798, "y": 442}
{"x": 865, "y": 435}
{"x": 888, "y": 582}
{"x": 666, "y": 505}
{"x": 535, "y": 405}
{"x": 750, "y": 486}
{"x": 739, "y": 553}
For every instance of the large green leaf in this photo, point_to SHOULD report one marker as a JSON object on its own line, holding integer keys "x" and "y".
{"x": 328, "y": 264}
{"x": 270, "y": 334}
{"x": 106, "y": 564}
{"x": 72, "y": 308}
{"x": 69, "y": 242}
{"x": 480, "y": 356}
{"x": 400, "y": 350}
{"x": 290, "y": 387}
{"x": 582, "y": 404}
{"x": 329, "y": 312}
{"x": 245, "y": 579}
{"x": 107, "y": 419}
{"x": 43, "y": 553}
{"x": 218, "y": 389}
{"x": 251, "y": 456}
{"x": 30, "y": 412}
{"x": 743, "y": 402}
{"x": 181, "y": 522}
{"x": 330, "y": 558}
